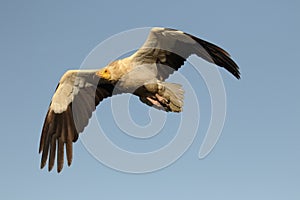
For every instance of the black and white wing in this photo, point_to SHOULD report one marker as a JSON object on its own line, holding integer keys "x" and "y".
{"x": 169, "y": 48}
{"x": 76, "y": 97}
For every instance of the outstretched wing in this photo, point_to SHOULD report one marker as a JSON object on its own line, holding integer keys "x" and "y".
{"x": 169, "y": 48}
{"x": 76, "y": 97}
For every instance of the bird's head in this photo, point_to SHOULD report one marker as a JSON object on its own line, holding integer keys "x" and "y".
{"x": 104, "y": 73}
{"x": 112, "y": 72}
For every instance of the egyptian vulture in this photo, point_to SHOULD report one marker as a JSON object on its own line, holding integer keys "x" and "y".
{"x": 142, "y": 74}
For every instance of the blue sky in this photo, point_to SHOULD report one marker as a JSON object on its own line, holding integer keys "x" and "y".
{"x": 258, "y": 154}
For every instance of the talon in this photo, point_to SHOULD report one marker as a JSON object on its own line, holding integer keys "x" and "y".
{"x": 161, "y": 99}
{"x": 156, "y": 104}
{"x": 153, "y": 101}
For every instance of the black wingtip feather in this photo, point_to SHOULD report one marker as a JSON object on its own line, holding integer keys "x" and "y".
{"x": 60, "y": 155}
{"x": 219, "y": 56}
{"x": 52, "y": 154}
{"x": 46, "y": 137}
{"x": 44, "y": 132}
{"x": 71, "y": 131}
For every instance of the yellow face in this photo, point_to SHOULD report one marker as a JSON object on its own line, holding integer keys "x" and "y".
{"x": 104, "y": 73}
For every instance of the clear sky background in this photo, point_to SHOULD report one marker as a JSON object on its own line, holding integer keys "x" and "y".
{"x": 258, "y": 154}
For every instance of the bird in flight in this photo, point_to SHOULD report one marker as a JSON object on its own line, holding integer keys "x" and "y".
{"x": 142, "y": 74}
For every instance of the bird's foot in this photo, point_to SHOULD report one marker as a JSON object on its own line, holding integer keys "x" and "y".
{"x": 162, "y": 100}
{"x": 157, "y": 103}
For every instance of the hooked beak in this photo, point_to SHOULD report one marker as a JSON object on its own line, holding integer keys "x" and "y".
{"x": 99, "y": 73}
{"x": 103, "y": 73}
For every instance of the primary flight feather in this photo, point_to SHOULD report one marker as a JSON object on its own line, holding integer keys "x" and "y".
{"x": 142, "y": 74}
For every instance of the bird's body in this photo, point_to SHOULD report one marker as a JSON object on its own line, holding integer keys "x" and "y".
{"x": 142, "y": 74}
